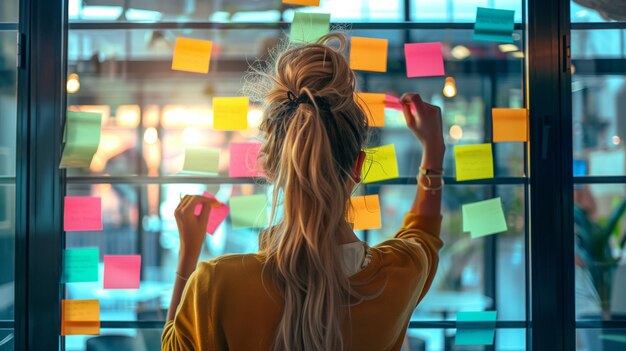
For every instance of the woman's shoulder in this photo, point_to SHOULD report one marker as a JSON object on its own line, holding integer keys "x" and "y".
{"x": 233, "y": 264}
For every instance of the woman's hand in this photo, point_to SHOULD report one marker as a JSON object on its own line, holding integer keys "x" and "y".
{"x": 425, "y": 122}
{"x": 192, "y": 230}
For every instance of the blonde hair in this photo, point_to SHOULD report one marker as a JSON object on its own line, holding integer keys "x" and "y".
{"x": 313, "y": 132}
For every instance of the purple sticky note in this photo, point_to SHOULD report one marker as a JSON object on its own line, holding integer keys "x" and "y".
{"x": 122, "y": 271}
{"x": 82, "y": 213}
{"x": 244, "y": 160}
{"x": 423, "y": 60}
{"x": 217, "y": 215}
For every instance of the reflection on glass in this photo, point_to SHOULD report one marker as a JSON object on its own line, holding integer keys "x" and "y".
{"x": 600, "y": 339}
{"x": 119, "y": 339}
{"x": 597, "y": 11}
{"x": 599, "y": 222}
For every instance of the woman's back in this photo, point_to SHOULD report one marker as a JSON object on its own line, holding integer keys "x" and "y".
{"x": 231, "y": 302}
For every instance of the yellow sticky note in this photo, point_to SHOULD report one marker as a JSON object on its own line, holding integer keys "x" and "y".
{"x": 230, "y": 113}
{"x": 365, "y": 212}
{"x": 473, "y": 161}
{"x": 510, "y": 124}
{"x": 368, "y": 54}
{"x": 303, "y": 2}
{"x": 380, "y": 164}
{"x": 80, "y": 317}
{"x": 374, "y": 106}
{"x": 192, "y": 55}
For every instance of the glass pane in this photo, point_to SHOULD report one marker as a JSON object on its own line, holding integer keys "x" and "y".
{"x": 459, "y": 10}
{"x": 443, "y": 340}
{"x": 7, "y": 339}
{"x": 597, "y": 11}
{"x": 7, "y": 254}
{"x": 600, "y": 339}
{"x": 116, "y": 339}
{"x": 9, "y": 11}
{"x": 8, "y": 102}
{"x": 599, "y": 222}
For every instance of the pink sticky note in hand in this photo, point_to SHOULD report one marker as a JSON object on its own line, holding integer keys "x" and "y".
{"x": 217, "y": 215}
{"x": 395, "y": 103}
{"x": 122, "y": 271}
{"x": 82, "y": 213}
{"x": 244, "y": 160}
{"x": 423, "y": 60}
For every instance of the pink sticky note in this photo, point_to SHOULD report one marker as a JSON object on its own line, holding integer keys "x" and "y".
{"x": 423, "y": 60}
{"x": 394, "y": 103}
{"x": 244, "y": 160}
{"x": 217, "y": 215}
{"x": 82, "y": 213}
{"x": 122, "y": 271}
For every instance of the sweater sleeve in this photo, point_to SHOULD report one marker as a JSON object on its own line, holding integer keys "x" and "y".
{"x": 421, "y": 236}
{"x": 192, "y": 327}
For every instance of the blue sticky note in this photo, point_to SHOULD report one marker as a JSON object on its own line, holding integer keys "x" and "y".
{"x": 580, "y": 168}
{"x": 80, "y": 265}
{"x": 475, "y": 328}
{"x": 494, "y": 25}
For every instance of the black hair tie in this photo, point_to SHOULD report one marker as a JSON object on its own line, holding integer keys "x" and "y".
{"x": 304, "y": 98}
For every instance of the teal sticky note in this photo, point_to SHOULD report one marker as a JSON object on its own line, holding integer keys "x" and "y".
{"x": 494, "y": 25}
{"x": 248, "y": 211}
{"x": 309, "y": 27}
{"x": 475, "y": 328}
{"x": 80, "y": 265}
{"x": 484, "y": 218}
{"x": 201, "y": 160}
{"x": 81, "y": 138}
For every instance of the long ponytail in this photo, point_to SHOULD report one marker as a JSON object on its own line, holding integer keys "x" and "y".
{"x": 309, "y": 148}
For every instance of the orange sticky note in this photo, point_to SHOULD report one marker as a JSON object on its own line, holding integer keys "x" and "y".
{"x": 368, "y": 54}
{"x": 80, "y": 317}
{"x": 365, "y": 212}
{"x": 303, "y": 2}
{"x": 230, "y": 113}
{"x": 374, "y": 106}
{"x": 510, "y": 124}
{"x": 192, "y": 55}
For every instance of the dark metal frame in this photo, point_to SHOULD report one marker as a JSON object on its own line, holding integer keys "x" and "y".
{"x": 40, "y": 185}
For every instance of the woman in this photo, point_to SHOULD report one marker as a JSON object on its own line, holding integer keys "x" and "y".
{"x": 313, "y": 285}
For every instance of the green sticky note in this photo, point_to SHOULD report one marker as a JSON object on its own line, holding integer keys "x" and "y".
{"x": 201, "y": 160}
{"x": 614, "y": 338}
{"x": 248, "y": 211}
{"x": 81, "y": 138}
{"x": 475, "y": 328}
{"x": 80, "y": 265}
{"x": 494, "y": 25}
{"x": 484, "y": 218}
{"x": 309, "y": 27}
{"x": 380, "y": 164}
{"x": 473, "y": 161}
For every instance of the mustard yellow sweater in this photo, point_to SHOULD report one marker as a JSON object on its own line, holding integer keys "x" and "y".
{"x": 226, "y": 306}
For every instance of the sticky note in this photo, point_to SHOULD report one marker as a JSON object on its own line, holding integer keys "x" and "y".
{"x": 373, "y": 105}
{"x": 510, "y": 124}
{"x": 230, "y": 113}
{"x": 192, "y": 55}
{"x": 309, "y": 27}
{"x": 380, "y": 164}
{"x": 80, "y": 317}
{"x": 473, "y": 161}
{"x": 217, "y": 215}
{"x": 82, "y": 213}
{"x": 244, "y": 160}
{"x": 484, "y": 218}
{"x": 201, "y": 160}
{"x": 303, "y": 2}
{"x": 580, "y": 168}
{"x": 368, "y": 54}
{"x": 81, "y": 138}
{"x": 494, "y": 25}
{"x": 365, "y": 212}
{"x": 423, "y": 60}
{"x": 80, "y": 265}
{"x": 475, "y": 328}
{"x": 122, "y": 271}
{"x": 248, "y": 211}
{"x": 614, "y": 338}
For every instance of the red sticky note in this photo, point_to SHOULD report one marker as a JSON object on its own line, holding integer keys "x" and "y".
{"x": 82, "y": 213}
{"x": 217, "y": 215}
{"x": 244, "y": 160}
{"x": 122, "y": 271}
{"x": 395, "y": 103}
{"x": 423, "y": 60}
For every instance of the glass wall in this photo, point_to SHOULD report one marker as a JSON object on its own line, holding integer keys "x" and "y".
{"x": 8, "y": 119}
{"x": 599, "y": 133}
{"x": 121, "y": 53}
